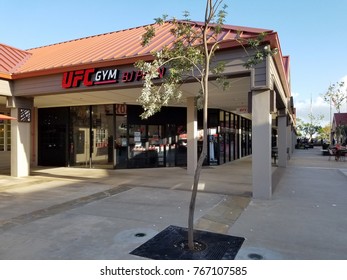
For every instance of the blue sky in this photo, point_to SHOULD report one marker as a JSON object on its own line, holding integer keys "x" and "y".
{"x": 311, "y": 32}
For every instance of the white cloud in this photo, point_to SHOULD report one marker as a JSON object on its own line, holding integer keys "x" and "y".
{"x": 317, "y": 107}
{"x": 295, "y": 94}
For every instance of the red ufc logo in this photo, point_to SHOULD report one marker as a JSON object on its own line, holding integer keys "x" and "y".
{"x": 74, "y": 78}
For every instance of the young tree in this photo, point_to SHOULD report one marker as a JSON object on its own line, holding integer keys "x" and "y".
{"x": 336, "y": 95}
{"x": 308, "y": 129}
{"x": 190, "y": 57}
{"x": 324, "y": 132}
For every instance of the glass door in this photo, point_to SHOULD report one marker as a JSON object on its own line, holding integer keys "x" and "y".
{"x": 121, "y": 141}
{"x": 79, "y": 146}
{"x": 157, "y": 145}
{"x": 171, "y": 145}
{"x": 52, "y": 136}
{"x": 101, "y": 138}
{"x": 91, "y": 136}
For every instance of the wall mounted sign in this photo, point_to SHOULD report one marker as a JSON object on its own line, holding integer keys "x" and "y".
{"x": 91, "y": 77}
{"x": 242, "y": 110}
{"x": 121, "y": 109}
{"x": 24, "y": 115}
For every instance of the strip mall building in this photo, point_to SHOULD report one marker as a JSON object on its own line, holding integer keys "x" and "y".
{"x": 75, "y": 104}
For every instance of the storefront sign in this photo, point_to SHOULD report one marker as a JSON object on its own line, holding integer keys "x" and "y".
{"x": 92, "y": 77}
{"x": 242, "y": 110}
{"x": 121, "y": 109}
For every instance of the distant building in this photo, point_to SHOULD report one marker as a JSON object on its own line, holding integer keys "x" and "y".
{"x": 339, "y": 128}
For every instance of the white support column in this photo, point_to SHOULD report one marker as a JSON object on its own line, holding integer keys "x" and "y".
{"x": 289, "y": 141}
{"x": 192, "y": 136}
{"x": 261, "y": 145}
{"x": 282, "y": 139}
{"x": 20, "y": 138}
{"x": 293, "y": 139}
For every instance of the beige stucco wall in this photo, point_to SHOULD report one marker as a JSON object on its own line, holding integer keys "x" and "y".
{"x": 5, "y": 88}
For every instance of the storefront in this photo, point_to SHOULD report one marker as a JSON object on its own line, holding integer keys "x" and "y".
{"x": 76, "y": 104}
{"x": 114, "y": 136}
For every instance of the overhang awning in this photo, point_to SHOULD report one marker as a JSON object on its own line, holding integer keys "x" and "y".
{"x": 5, "y": 117}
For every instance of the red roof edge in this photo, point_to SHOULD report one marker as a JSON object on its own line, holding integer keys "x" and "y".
{"x": 286, "y": 65}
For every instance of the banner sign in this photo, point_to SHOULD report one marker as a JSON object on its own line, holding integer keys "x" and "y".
{"x": 91, "y": 77}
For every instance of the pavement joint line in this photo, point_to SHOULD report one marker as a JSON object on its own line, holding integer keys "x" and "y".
{"x": 223, "y": 215}
{"x": 182, "y": 188}
{"x": 313, "y": 167}
{"x": 58, "y": 208}
{"x": 343, "y": 172}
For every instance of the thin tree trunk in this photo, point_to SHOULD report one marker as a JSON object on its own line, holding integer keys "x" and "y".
{"x": 196, "y": 180}
{"x": 195, "y": 192}
{"x": 209, "y": 12}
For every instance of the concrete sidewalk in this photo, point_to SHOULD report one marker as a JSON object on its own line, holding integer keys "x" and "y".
{"x": 73, "y": 213}
{"x": 306, "y": 219}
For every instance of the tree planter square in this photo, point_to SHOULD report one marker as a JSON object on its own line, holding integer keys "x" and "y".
{"x": 170, "y": 244}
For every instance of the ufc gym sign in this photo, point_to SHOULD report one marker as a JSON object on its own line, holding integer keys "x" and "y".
{"x": 92, "y": 77}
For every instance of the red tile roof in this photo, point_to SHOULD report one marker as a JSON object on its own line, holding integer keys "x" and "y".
{"x": 340, "y": 119}
{"x": 114, "y": 48}
{"x": 10, "y": 59}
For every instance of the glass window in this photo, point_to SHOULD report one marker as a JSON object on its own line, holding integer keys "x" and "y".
{"x": 8, "y": 138}
{"x": 2, "y": 136}
{"x": 137, "y": 137}
{"x": 227, "y": 138}
{"x": 5, "y": 135}
{"x": 121, "y": 141}
{"x": 221, "y": 121}
{"x": 227, "y": 122}
{"x": 181, "y": 146}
